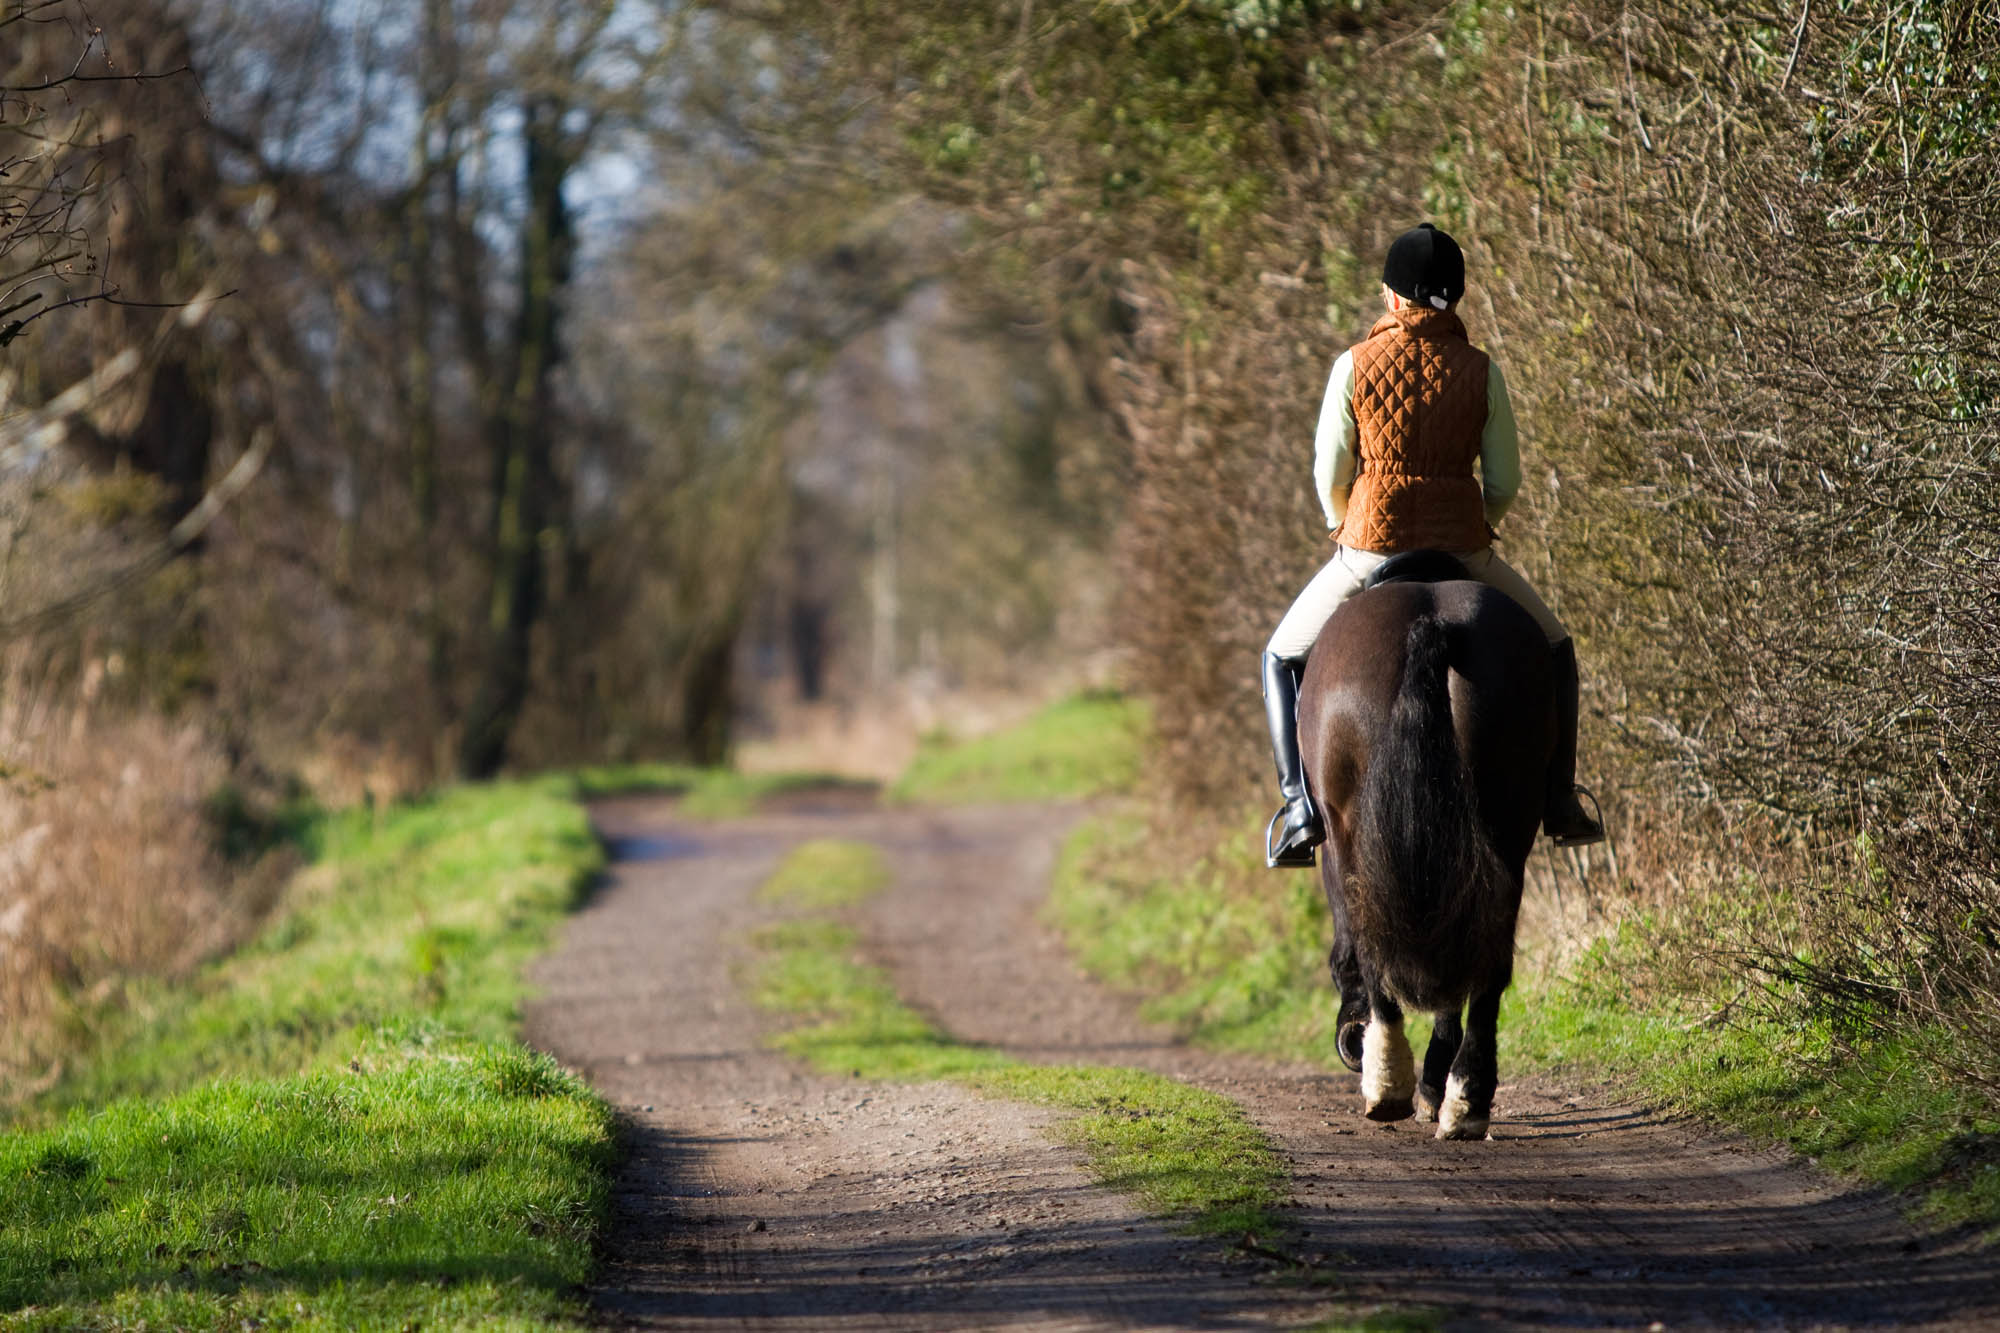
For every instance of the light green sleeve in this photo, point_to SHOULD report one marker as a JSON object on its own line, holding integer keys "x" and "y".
{"x": 1499, "y": 449}
{"x": 1333, "y": 443}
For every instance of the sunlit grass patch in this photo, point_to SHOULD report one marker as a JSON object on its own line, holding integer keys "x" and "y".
{"x": 1389, "y": 1319}
{"x": 826, "y": 873}
{"x": 427, "y": 911}
{"x": 1229, "y": 966}
{"x": 333, "y": 1127}
{"x": 450, "y": 1186}
{"x": 1087, "y": 745}
{"x": 1182, "y": 1151}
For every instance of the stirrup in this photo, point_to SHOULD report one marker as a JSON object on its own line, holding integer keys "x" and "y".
{"x": 1597, "y": 812}
{"x": 1293, "y": 858}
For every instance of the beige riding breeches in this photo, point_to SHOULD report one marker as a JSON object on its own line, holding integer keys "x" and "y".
{"x": 1348, "y": 570}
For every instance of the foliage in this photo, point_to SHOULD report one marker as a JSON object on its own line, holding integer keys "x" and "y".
{"x": 1817, "y": 645}
{"x": 1086, "y": 745}
{"x": 452, "y": 558}
{"x": 120, "y": 870}
{"x": 571, "y": 351}
{"x": 1736, "y": 266}
{"x": 55, "y": 166}
{"x": 334, "y": 1126}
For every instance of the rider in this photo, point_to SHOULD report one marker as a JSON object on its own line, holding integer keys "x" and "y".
{"x": 1407, "y": 414}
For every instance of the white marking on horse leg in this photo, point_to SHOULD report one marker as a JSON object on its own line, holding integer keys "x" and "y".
{"x": 1388, "y": 1073}
{"x": 1455, "y": 1119}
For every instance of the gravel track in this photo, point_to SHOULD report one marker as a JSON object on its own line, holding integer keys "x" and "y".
{"x": 759, "y": 1195}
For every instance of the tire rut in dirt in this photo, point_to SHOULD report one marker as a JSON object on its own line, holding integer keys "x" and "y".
{"x": 1578, "y": 1212}
{"x": 758, "y": 1195}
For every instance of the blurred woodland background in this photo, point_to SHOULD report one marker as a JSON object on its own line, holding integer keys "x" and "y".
{"x": 625, "y": 378}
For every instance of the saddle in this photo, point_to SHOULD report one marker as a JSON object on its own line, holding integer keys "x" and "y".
{"x": 1417, "y": 567}
{"x": 1568, "y": 823}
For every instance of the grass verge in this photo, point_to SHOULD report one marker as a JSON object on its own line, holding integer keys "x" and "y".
{"x": 1235, "y": 956}
{"x": 1086, "y": 745}
{"x": 1182, "y": 1151}
{"x": 1867, "y": 1108}
{"x": 333, "y": 1127}
{"x": 1224, "y": 950}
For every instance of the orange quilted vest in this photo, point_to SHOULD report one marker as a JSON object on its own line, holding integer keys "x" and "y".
{"x": 1420, "y": 409}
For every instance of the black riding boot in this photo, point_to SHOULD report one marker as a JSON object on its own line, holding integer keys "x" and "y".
{"x": 1563, "y": 816}
{"x": 1293, "y": 844}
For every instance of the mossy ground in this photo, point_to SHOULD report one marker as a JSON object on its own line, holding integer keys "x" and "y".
{"x": 826, "y": 873}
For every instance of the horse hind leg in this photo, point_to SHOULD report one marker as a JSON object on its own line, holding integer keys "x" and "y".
{"x": 1466, "y": 1111}
{"x": 1388, "y": 1069}
{"x": 1446, "y": 1034}
{"x": 1351, "y": 1026}
{"x": 1343, "y": 963}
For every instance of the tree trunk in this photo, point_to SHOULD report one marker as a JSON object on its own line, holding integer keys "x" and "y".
{"x": 523, "y": 477}
{"x": 434, "y": 154}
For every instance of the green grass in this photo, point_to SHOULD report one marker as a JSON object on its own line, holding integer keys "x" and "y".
{"x": 1871, "y": 1110}
{"x": 333, "y": 1127}
{"x": 457, "y": 1187}
{"x": 1182, "y": 1151}
{"x": 1235, "y": 968}
{"x": 1087, "y": 745}
{"x": 826, "y": 873}
{"x": 706, "y": 793}
{"x": 430, "y": 909}
{"x": 1235, "y": 955}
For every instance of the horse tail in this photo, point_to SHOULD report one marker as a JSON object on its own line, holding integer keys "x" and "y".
{"x": 1432, "y": 892}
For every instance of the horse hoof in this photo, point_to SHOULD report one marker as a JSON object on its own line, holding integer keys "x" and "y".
{"x": 1387, "y": 1111}
{"x": 1454, "y": 1115}
{"x": 1347, "y": 1043}
{"x": 1427, "y": 1107}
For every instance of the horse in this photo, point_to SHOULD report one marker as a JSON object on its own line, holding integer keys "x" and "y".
{"x": 1426, "y": 721}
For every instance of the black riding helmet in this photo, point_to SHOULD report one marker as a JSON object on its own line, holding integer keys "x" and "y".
{"x": 1425, "y": 266}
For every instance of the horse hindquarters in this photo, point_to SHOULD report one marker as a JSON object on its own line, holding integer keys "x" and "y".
{"x": 1425, "y": 841}
{"x": 1431, "y": 903}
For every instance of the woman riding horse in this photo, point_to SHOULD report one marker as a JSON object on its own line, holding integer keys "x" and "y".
{"x": 1440, "y": 717}
{"x": 1408, "y": 413}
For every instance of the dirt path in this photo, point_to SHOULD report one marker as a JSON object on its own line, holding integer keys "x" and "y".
{"x": 762, "y": 1196}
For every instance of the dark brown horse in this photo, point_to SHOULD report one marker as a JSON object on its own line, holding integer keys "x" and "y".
{"x": 1426, "y": 721}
